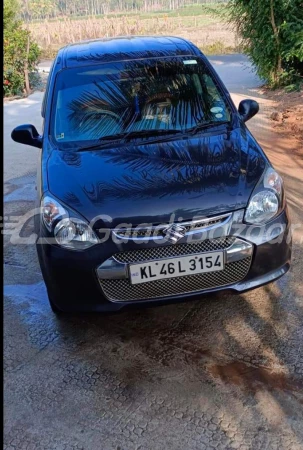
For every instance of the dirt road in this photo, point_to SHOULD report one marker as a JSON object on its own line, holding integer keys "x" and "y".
{"x": 225, "y": 372}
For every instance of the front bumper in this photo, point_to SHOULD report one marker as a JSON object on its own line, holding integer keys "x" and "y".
{"x": 74, "y": 279}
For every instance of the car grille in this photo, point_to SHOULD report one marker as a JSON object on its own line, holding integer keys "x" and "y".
{"x": 123, "y": 291}
{"x": 158, "y": 230}
{"x": 170, "y": 251}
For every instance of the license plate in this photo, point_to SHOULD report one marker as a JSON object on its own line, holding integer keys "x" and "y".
{"x": 176, "y": 267}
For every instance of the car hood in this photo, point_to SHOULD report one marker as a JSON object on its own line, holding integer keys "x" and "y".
{"x": 184, "y": 178}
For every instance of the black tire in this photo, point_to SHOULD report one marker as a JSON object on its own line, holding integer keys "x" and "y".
{"x": 51, "y": 296}
{"x": 54, "y": 308}
{"x": 52, "y": 304}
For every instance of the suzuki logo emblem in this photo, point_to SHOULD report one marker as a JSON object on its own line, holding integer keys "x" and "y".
{"x": 174, "y": 232}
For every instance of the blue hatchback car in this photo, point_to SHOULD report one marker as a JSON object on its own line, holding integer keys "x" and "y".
{"x": 151, "y": 189}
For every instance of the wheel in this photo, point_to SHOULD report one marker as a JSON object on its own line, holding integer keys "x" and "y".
{"x": 53, "y": 306}
{"x": 51, "y": 296}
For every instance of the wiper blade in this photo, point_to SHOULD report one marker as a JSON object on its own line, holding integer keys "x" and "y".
{"x": 129, "y": 135}
{"x": 103, "y": 141}
{"x": 206, "y": 125}
{"x": 151, "y": 132}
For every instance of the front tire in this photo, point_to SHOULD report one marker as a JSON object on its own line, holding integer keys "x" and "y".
{"x": 51, "y": 296}
{"x": 53, "y": 306}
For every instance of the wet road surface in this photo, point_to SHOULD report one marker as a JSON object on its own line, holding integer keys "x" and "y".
{"x": 224, "y": 372}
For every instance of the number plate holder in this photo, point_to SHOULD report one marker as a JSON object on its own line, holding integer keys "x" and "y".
{"x": 149, "y": 271}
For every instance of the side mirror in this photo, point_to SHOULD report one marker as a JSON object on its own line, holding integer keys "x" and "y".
{"x": 248, "y": 109}
{"x": 27, "y": 134}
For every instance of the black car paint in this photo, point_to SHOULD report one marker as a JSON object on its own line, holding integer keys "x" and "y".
{"x": 194, "y": 176}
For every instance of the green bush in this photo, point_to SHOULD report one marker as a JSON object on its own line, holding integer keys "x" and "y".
{"x": 10, "y": 8}
{"x": 272, "y": 36}
{"x": 20, "y": 52}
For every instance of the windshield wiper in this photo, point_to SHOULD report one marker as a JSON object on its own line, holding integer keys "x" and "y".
{"x": 206, "y": 125}
{"x": 129, "y": 135}
{"x": 151, "y": 132}
{"x": 104, "y": 141}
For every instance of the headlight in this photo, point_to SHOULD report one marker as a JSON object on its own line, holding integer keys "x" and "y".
{"x": 70, "y": 232}
{"x": 272, "y": 180}
{"x": 75, "y": 234}
{"x": 51, "y": 211}
{"x": 262, "y": 207}
{"x": 268, "y": 200}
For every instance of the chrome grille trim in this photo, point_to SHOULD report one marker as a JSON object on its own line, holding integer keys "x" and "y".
{"x": 114, "y": 279}
{"x": 170, "y": 251}
{"x": 156, "y": 232}
{"x": 122, "y": 291}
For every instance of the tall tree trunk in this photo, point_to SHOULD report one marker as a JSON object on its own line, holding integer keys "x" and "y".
{"x": 26, "y": 78}
{"x": 277, "y": 38}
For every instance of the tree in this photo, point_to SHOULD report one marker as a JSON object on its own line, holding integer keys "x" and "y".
{"x": 272, "y": 36}
{"x": 20, "y": 52}
{"x": 10, "y": 9}
{"x": 41, "y": 9}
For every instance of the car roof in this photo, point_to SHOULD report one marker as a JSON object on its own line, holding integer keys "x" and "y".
{"x": 124, "y": 48}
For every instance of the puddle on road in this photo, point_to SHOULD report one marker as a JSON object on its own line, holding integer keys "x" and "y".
{"x": 24, "y": 193}
{"x": 34, "y": 295}
{"x": 21, "y": 188}
{"x": 253, "y": 379}
{"x": 28, "y": 318}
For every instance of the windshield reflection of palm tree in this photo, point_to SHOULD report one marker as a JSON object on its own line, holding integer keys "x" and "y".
{"x": 124, "y": 103}
{"x": 136, "y": 92}
{"x": 90, "y": 107}
{"x": 168, "y": 169}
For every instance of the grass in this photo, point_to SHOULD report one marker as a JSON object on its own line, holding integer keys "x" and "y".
{"x": 219, "y": 48}
{"x": 203, "y": 25}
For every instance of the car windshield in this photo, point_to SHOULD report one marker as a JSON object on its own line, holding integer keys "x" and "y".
{"x": 100, "y": 101}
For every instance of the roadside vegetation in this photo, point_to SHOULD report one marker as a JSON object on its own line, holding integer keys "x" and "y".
{"x": 271, "y": 33}
{"x": 55, "y": 9}
{"x": 202, "y": 24}
{"x": 21, "y": 53}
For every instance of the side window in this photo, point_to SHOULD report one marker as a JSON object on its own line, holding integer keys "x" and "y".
{"x": 46, "y": 91}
